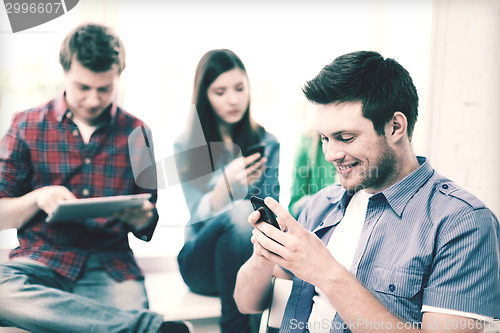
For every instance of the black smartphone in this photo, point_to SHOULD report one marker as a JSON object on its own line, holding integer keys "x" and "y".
{"x": 258, "y": 148}
{"x": 266, "y": 215}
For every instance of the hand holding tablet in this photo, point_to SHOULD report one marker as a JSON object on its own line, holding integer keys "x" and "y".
{"x": 95, "y": 207}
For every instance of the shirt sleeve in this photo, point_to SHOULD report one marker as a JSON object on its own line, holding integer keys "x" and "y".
{"x": 15, "y": 162}
{"x": 147, "y": 233}
{"x": 426, "y": 308}
{"x": 465, "y": 276}
{"x": 196, "y": 191}
{"x": 149, "y": 179}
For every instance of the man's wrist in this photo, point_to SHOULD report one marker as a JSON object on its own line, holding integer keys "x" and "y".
{"x": 335, "y": 276}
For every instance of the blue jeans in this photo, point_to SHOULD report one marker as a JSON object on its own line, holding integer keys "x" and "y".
{"x": 34, "y": 298}
{"x": 213, "y": 253}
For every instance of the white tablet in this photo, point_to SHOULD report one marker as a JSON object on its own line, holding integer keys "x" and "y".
{"x": 70, "y": 210}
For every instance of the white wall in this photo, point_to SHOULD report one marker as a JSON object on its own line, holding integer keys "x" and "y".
{"x": 464, "y": 81}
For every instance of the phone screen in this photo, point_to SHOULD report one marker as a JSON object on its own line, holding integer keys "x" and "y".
{"x": 266, "y": 215}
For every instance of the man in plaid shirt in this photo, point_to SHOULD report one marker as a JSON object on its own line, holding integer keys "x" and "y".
{"x": 76, "y": 276}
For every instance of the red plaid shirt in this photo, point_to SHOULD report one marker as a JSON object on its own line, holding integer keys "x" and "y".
{"x": 43, "y": 147}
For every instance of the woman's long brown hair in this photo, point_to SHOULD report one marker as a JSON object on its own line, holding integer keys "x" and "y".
{"x": 244, "y": 133}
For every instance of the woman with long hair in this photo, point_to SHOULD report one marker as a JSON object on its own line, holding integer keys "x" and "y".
{"x": 218, "y": 177}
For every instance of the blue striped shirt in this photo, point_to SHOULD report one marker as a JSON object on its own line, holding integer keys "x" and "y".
{"x": 425, "y": 241}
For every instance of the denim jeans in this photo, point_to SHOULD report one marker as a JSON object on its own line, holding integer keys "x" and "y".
{"x": 213, "y": 252}
{"x": 34, "y": 298}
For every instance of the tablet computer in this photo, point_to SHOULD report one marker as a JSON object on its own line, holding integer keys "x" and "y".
{"x": 70, "y": 210}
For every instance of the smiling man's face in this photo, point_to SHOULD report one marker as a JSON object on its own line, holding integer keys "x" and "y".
{"x": 364, "y": 160}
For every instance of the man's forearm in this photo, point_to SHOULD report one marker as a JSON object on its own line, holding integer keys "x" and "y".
{"x": 253, "y": 286}
{"x": 364, "y": 313}
{"x": 355, "y": 304}
{"x": 16, "y": 212}
{"x": 219, "y": 196}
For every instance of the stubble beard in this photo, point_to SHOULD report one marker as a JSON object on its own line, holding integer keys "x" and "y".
{"x": 377, "y": 175}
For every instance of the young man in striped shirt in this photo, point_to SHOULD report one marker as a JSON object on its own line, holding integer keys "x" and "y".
{"x": 395, "y": 246}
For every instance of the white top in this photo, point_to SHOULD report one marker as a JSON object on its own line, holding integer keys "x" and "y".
{"x": 342, "y": 246}
{"x": 86, "y": 130}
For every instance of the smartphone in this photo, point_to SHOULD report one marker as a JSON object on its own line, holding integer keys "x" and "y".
{"x": 258, "y": 148}
{"x": 266, "y": 215}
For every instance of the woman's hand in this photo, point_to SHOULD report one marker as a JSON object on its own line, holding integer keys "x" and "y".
{"x": 245, "y": 171}
{"x": 236, "y": 178}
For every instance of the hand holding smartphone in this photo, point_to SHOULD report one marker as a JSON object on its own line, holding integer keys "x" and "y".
{"x": 258, "y": 148}
{"x": 266, "y": 215}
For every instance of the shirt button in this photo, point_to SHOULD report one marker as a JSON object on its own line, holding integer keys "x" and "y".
{"x": 144, "y": 238}
{"x": 445, "y": 186}
{"x": 75, "y": 133}
{"x": 69, "y": 115}
{"x": 85, "y": 192}
{"x": 59, "y": 118}
{"x": 87, "y": 161}
{"x": 392, "y": 287}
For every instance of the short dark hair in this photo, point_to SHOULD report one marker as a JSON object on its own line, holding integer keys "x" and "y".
{"x": 383, "y": 87}
{"x": 95, "y": 46}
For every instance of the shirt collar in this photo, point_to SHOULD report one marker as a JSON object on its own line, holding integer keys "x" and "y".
{"x": 339, "y": 197}
{"x": 399, "y": 194}
{"x": 61, "y": 109}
